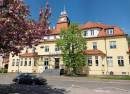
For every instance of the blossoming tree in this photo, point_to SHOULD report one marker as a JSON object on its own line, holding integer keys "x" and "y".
{"x": 16, "y": 30}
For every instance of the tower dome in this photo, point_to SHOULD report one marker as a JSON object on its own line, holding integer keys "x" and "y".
{"x": 63, "y": 16}
{"x": 63, "y": 21}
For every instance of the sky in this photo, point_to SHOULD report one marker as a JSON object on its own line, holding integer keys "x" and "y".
{"x": 113, "y": 12}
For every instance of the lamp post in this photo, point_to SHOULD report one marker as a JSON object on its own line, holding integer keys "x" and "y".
{"x": 3, "y": 57}
{"x": 18, "y": 61}
{"x": 1, "y": 6}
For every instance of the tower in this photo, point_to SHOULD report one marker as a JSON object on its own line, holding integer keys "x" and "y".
{"x": 63, "y": 21}
{"x": 42, "y": 16}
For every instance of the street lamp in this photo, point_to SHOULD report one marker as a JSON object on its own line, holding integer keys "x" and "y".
{"x": 18, "y": 61}
{"x": 3, "y": 57}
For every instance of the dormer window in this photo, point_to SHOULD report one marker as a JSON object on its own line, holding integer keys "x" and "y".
{"x": 85, "y": 33}
{"x": 92, "y": 32}
{"x": 110, "y": 31}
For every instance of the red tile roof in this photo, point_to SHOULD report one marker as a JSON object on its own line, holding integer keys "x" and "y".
{"x": 93, "y": 52}
{"x": 103, "y": 27}
{"x": 29, "y": 55}
{"x": 57, "y": 30}
{"x": 89, "y": 25}
{"x": 129, "y": 49}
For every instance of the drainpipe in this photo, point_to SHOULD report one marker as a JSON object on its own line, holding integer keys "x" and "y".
{"x": 3, "y": 62}
{"x": 106, "y": 55}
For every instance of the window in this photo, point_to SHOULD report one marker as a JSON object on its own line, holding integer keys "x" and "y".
{"x": 33, "y": 49}
{"x": 90, "y": 61}
{"x": 110, "y": 31}
{"x": 57, "y": 48}
{"x": 120, "y": 60}
{"x": 34, "y": 63}
{"x": 25, "y": 63}
{"x": 94, "y": 45}
{"x": 129, "y": 59}
{"x": 46, "y": 62}
{"x": 41, "y": 47}
{"x": 85, "y": 33}
{"x": 112, "y": 44}
{"x": 21, "y": 62}
{"x": 41, "y": 58}
{"x": 92, "y": 32}
{"x": 17, "y": 63}
{"x": 13, "y": 62}
{"x": 46, "y": 48}
{"x": 123, "y": 73}
{"x": 96, "y": 60}
{"x": 29, "y": 61}
{"x": 109, "y": 61}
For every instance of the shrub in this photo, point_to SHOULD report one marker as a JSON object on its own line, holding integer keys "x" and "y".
{"x": 2, "y": 70}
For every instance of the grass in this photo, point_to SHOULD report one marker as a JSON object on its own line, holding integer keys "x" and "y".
{"x": 105, "y": 77}
{"x": 116, "y": 77}
{"x": 3, "y": 70}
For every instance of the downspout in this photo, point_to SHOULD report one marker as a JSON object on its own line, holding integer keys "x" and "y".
{"x": 106, "y": 55}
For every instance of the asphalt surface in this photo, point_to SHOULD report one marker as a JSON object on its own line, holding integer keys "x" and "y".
{"x": 66, "y": 85}
{"x": 89, "y": 86}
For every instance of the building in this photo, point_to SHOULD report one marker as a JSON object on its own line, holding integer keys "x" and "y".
{"x": 1, "y": 61}
{"x": 107, "y": 50}
{"x": 4, "y": 61}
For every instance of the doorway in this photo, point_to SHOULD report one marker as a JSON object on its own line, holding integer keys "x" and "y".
{"x": 57, "y": 63}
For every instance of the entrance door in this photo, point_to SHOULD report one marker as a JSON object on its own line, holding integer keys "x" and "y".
{"x": 46, "y": 63}
{"x": 57, "y": 61}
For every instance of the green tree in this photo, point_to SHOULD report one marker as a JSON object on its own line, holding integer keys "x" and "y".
{"x": 72, "y": 45}
{"x": 129, "y": 40}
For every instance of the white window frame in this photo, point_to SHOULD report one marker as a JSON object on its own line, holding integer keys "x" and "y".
{"x": 129, "y": 59}
{"x": 110, "y": 31}
{"x": 57, "y": 48}
{"x": 112, "y": 45}
{"x": 25, "y": 62}
{"x": 95, "y": 45}
{"x": 30, "y": 62}
{"x": 92, "y": 32}
{"x": 110, "y": 61}
{"x": 21, "y": 63}
{"x": 46, "y": 62}
{"x": 120, "y": 60}
{"x": 85, "y": 33}
{"x": 89, "y": 60}
{"x": 46, "y": 49}
{"x": 13, "y": 62}
{"x": 97, "y": 60}
{"x": 17, "y": 62}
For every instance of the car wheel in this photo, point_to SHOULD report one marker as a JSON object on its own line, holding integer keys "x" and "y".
{"x": 33, "y": 83}
{"x": 17, "y": 82}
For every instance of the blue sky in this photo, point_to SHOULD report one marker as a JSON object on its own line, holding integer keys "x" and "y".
{"x": 114, "y": 12}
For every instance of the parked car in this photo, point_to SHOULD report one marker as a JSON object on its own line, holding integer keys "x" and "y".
{"x": 27, "y": 78}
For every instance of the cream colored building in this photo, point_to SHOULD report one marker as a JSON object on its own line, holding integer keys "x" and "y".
{"x": 107, "y": 50}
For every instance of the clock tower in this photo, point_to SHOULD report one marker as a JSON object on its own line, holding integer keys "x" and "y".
{"x": 63, "y": 21}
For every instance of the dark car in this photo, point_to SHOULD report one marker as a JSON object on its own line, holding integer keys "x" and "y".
{"x": 27, "y": 78}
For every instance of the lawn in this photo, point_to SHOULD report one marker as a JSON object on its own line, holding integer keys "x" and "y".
{"x": 115, "y": 77}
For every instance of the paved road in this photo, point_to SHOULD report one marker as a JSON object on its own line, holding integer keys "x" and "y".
{"x": 87, "y": 86}
{"x": 67, "y": 85}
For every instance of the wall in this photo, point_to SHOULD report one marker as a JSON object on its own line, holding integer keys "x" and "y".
{"x": 121, "y": 50}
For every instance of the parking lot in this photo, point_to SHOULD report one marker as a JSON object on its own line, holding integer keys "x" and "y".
{"x": 65, "y": 85}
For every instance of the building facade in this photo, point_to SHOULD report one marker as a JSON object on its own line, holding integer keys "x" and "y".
{"x": 107, "y": 50}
